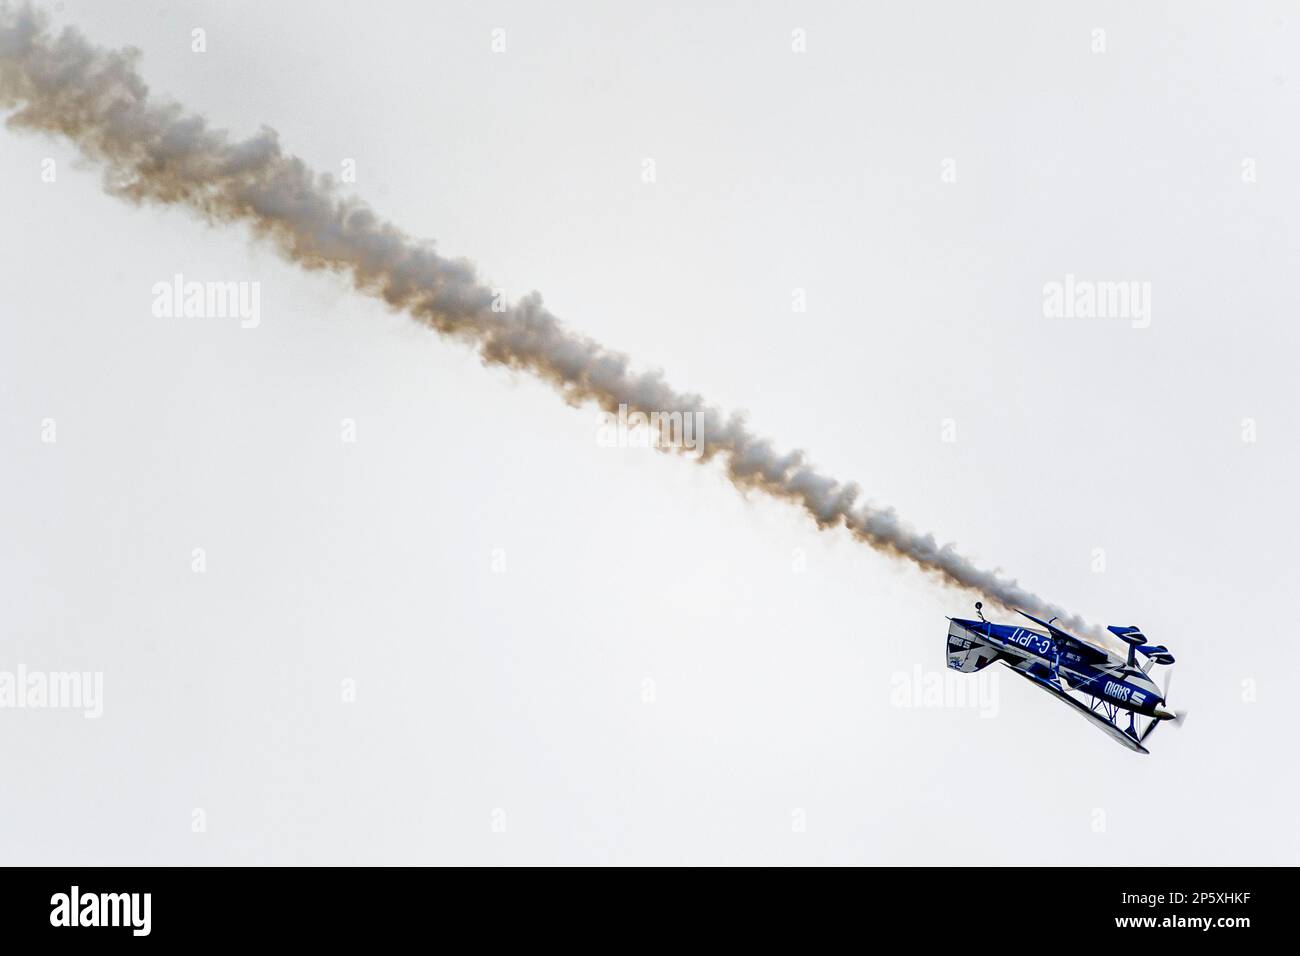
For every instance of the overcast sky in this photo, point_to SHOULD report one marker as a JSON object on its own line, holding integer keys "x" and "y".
{"x": 568, "y": 653}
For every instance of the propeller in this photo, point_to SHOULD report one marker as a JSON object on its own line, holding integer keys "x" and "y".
{"x": 1179, "y": 715}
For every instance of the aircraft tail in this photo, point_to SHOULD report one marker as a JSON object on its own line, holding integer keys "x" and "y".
{"x": 967, "y": 651}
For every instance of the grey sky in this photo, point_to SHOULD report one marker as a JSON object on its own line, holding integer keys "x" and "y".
{"x": 524, "y": 691}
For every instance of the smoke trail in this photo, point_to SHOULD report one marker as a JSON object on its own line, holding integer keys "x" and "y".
{"x": 155, "y": 152}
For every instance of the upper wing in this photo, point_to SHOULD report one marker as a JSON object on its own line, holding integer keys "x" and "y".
{"x": 1080, "y": 708}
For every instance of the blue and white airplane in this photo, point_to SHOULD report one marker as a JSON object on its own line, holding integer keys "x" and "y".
{"x": 1072, "y": 669}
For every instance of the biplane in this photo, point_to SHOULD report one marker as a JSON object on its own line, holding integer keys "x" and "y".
{"x": 1093, "y": 681}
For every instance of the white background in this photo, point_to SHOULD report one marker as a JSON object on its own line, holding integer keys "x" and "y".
{"x": 517, "y": 697}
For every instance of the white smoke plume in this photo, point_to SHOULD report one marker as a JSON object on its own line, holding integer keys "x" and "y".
{"x": 155, "y": 152}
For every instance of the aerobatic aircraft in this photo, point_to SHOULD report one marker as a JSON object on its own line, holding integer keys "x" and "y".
{"x": 1093, "y": 681}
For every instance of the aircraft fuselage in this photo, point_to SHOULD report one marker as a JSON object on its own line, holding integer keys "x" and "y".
{"x": 1107, "y": 679}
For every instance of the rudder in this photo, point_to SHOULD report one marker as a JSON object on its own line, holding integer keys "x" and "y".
{"x": 967, "y": 652}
